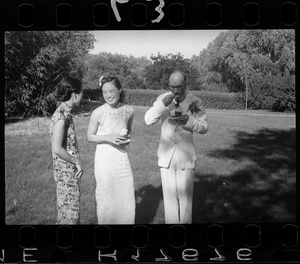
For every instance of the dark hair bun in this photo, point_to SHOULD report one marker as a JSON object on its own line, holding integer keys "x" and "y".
{"x": 66, "y": 87}
{"x": 61, "y": 91}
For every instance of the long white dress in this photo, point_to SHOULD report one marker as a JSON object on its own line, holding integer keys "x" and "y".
{"x": 115, "y": 197}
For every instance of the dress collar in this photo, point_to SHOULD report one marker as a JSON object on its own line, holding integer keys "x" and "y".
{"x": 67, "y": 107}
{"x": 115, "y": 107}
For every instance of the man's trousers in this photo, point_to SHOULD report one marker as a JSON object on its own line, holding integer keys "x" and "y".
{"x": 177, "y": 185}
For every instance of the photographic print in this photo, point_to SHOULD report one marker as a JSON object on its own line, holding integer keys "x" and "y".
{"x": 150, "y": 127}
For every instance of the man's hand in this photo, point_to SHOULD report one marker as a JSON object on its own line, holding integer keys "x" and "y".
{"x": 183, "y": 120}
{"x": 167, "y": 100}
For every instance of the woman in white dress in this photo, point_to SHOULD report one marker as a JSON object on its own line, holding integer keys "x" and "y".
{"x": 110, "y": 128}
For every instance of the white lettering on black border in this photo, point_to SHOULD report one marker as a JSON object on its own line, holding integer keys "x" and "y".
{"x": 190, "y": 254}
{"x": 158, "y": 9}
{"x": 166, "y": 257}
{"x": 27, "y": 255}
{"x": 113, "y": 255}
{"x": 242, "y": 255}
{"x": 137, "y": 257}
{"x": 3, "y": 256}
{"x": 219, "y": 258}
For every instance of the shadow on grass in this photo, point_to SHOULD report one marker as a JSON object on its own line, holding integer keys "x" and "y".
{"x": 85, "y": 107}
{"x": 14, "y": 120}
{"x": 262, "y": 190}
{"x": 146, "y": 208}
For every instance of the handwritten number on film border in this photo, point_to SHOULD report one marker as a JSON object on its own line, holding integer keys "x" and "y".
{"x": 158, "y": 9}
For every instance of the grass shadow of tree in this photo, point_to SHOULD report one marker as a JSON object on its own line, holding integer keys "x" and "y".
{"x": 146, "y": 208}
{"x": 15, "y": 120}
{"x": 263, "y": 190}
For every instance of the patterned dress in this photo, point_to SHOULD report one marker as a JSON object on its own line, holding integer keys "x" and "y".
{"x": 67, "y": 185}
{"x": 114, "y": 180}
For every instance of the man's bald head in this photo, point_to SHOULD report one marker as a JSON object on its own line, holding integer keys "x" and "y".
{"x": 177, "y": 76}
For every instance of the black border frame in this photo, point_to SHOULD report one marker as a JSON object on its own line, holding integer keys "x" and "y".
{"x": 157, "y": 246}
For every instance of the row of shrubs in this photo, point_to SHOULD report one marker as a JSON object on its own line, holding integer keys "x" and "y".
{"x": 212, "y": 100}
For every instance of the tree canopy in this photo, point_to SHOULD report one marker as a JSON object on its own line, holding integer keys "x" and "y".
{"x": 258, "y": 65}
{"x": 129, "y": 70}
{"x": 35, "y": 61}
{"x": 263, "y": 59}
{"x": 157, "y": 74}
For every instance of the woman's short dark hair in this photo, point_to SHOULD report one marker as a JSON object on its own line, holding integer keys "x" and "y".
{"x": 115, "y": 81}
{"x": 67, "y": 86}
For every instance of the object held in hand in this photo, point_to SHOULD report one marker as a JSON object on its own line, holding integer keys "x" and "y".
{"x": 177, "y": 107}
{"x": 123, "y": 133}
{"x": 124, "y": 141}
{"x": 177, "y": 113}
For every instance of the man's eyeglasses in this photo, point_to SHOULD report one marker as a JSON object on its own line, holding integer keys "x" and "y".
{"x": 178, "y": 87}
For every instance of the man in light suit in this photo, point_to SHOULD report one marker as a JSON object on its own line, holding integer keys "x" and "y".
{"x": 176, "y": 151}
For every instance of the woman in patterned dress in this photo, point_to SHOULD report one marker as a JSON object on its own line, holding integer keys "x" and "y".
{"x": 110, "y": 128}
{"x": 66, "y": 162}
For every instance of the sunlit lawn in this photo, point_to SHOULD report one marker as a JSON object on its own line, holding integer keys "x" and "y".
{"x": 245, "y": 170}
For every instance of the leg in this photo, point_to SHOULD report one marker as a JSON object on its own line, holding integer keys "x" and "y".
{"x": 168, "y": 178}
{"x": 185, "y": 183}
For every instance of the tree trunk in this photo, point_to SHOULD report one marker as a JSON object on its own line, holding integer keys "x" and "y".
{"x": 246, "y": 103}
{"x": 246, "y": 81}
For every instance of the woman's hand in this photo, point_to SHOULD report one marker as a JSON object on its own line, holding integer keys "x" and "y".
{"x": 78, "y": 167}
{"x": 115, "y": 139}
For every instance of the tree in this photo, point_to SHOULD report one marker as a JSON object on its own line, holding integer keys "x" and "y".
{"x": 213, "y": 74}
{"x": 257, "y": 58}
{"x": 136, "y": 79}
{"x": 248, "y": 62}
{"x": 157, "y": 74}
{"x": 35, "y": 61}
{"x": 128, "y": 69}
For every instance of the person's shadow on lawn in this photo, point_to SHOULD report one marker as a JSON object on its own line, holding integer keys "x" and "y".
{"x": 262, "y": 190}
{"x": 146, "y": 208}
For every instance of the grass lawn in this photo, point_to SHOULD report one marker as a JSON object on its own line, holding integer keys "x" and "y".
{"x": 246, "y": 170}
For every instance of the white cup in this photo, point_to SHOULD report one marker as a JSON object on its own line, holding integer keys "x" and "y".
{"x": 124, "y": 132}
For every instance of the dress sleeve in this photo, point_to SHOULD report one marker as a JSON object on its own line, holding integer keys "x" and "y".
{"x": 99, "y": 115}
{"x": 59, "y": 115}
